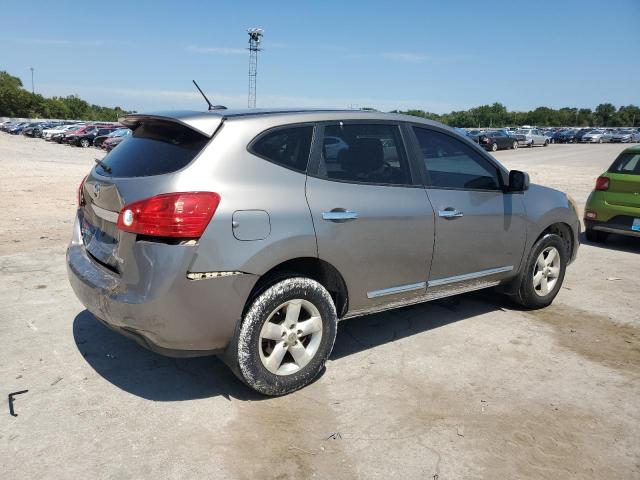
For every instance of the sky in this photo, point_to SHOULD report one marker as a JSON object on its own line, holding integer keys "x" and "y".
{"x": 436, "y": 56}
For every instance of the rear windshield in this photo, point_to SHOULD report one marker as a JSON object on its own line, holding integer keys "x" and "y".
{"x": 155, "y": 147}
{"x": 626, "y": 163}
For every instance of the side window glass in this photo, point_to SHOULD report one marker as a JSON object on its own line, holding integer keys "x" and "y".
{"x": 364, "y": 153}
{"x": 288, "y": 147}
{"x": 452, "y": 164}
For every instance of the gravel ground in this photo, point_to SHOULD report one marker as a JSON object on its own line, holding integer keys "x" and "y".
{"x": 468, "y": 387}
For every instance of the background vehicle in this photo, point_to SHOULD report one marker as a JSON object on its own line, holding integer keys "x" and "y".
{"x": 625, "y": 136}
{"x": 531, "y": 137}
{"x": 48, "y": 133}
{"x": 70, "y": 135}
{"x": 86, "y": 138}
{"x": 119, "y": 132}
{"x": 614, "y": 205}
{"x": 581, "y": 133}
{"x": 474, "y": 135}
{"x": 497, "y": 140}
{"x": 593, "y": 136}
{"x": 17, "y": 130}
{"x": 248, "y": 242}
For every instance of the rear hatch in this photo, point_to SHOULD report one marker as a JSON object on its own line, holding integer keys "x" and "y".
{"x": 140, "y": 168}
{"x": 624, "y": 180}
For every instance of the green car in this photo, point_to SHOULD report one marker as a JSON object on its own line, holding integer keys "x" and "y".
{"x": 614, "y": 205}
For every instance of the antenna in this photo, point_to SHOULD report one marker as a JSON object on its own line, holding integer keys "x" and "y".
{"x": 211, "y": 106}
{"x": 255, "y": 37}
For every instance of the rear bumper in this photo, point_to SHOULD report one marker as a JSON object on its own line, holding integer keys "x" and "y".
{"x": 157, "y": 305}
{"x": 617, "y": 225}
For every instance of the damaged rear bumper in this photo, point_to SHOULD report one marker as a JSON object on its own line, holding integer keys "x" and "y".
{"x": 156, "y": 304}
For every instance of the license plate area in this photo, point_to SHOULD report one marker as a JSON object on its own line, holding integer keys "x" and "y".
{"x": 100, "y": 245}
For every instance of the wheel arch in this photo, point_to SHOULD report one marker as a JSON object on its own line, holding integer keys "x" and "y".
{"x": 564, "y": 231}
{"x": 315, "y": 268}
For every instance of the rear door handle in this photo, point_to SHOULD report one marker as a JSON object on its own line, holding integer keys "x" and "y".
{"x": 450, "y": 213}
{"x": 339, "y": 215}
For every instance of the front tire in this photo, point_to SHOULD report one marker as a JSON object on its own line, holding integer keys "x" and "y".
{"x": 494, "y": 147}
{"x": 286, "y": 336}
{"x": 544, "y": 273}
{"x": 546, "y": 143}
{"x": 84, "y": 143}
{"x": 515, "y": 145}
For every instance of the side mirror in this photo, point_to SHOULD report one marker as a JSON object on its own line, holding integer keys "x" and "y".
{"x": 518, "y": 181}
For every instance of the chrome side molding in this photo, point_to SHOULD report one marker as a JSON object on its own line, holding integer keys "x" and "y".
{"x": 399, "y": 289}
{"x": 468, "y": 276}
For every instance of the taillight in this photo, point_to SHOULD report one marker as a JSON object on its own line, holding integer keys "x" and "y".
{"x": 184, "y": 214}
{"x": 80, "y": 196}
{"x": 602, "y": 183}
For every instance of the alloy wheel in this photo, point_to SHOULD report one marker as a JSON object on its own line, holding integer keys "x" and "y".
{"x": 546, "y": 271}
{"x": 290, "y": 337}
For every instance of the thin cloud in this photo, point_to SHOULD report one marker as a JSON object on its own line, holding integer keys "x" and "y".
{"x": 408, "y": 57}
{"x": 216, "y": 50}
{"x": 57, "y": 42}
{"x": 157, "y": 99}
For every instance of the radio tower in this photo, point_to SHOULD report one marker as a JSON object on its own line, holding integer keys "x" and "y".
{"x": 255, "y": 37}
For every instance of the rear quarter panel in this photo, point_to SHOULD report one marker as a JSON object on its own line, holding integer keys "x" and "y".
{"x": 247, "y": 182}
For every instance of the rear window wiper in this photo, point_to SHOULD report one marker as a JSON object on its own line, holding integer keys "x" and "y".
{"x": 104, "y": 166}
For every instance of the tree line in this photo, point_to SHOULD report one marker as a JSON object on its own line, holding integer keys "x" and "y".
{"x": 497, "y": 115}
{"x": 15, "y": 101}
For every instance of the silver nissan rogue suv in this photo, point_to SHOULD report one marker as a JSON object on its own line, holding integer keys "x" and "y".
{"x": 250, "y": 234}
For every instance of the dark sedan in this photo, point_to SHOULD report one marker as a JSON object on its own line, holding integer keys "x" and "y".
{"x": 86, "y": 138}
{"x": 497, "y": 140}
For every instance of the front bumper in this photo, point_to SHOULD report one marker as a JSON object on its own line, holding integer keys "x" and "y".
{"x": 155, "y": 304}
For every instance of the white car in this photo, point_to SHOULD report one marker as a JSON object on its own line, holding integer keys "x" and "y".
{"x": 531, "y": 136}
{"x": 50, "y": 132}
{"x": 594, "y": 136}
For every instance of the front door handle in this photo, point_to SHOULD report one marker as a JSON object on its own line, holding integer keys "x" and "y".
{"x": 339, "y": 215}
{"x": 450, "y": 213}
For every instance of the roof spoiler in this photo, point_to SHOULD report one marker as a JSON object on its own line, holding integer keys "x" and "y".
{"x": 205, "y": 123}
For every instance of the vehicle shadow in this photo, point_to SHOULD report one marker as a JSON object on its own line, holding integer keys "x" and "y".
{"x": 621, "y": 243}
{"x": 362, "y": 333}
{"x": 149, "y": 375}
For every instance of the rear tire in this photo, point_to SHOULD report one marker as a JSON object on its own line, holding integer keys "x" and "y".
{"x": 286, "y": 336}
{"x": 544, "y": 273}
{"x": 84, "y": 143}
{"x": 515, "y": 145}
{"x": 596, "y": 236}
{"x": 494, "y": 147}
{"x": 546, "y": 143}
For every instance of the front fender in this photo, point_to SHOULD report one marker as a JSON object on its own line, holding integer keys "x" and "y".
{"x": 545, "y": 207}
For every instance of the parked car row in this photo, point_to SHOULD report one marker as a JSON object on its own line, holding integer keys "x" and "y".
{"x": 104, "y": 135}
{"x": 527, "y": 136}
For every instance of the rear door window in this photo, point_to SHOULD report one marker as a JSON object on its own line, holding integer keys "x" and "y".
{"x": 155, "y": 148}
{"x": 288, "y": 147}
{"x": 364, "y": 153}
